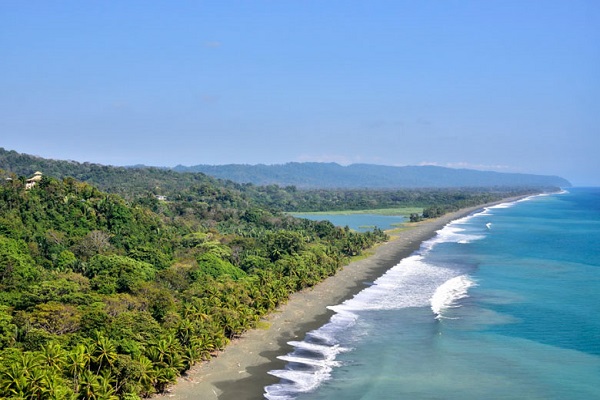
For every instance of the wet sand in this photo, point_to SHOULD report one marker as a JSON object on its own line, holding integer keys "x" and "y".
{"x": 240, "y": 371}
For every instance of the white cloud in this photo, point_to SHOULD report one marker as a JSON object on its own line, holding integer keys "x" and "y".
{"x": 339, "y": 159}
{"x": 468, "y": 165}
{"x": 488, "y": 167}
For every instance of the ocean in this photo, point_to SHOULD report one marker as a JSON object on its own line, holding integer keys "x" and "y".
{"x": 498, "y": 305}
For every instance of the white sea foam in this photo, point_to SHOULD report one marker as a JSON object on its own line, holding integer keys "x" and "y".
{"x": 411, "y": 283}
{"x": 318, "y": 348}
{"x": 453, "y": 232}
{"x": 540, "y": 195}
{"x": 300, "y": 380}
{"x": 295, "y": 382}
{"x": 310, "y": 361}
{"x": 505, "y": 205}
{"x": 447, "y": 295}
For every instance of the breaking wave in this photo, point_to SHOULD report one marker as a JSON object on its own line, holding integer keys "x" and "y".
{"x": 449, "y": 293}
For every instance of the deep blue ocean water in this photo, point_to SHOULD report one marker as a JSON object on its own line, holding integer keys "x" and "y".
{"x": 499, "y": 305}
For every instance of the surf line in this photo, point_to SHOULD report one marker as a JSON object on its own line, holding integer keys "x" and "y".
{"x": 449, "y": 293}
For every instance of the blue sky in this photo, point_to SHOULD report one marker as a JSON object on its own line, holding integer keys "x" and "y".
{"x": 499, "y": 85}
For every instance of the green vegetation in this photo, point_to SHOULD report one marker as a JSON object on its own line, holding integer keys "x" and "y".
{"x": 103, "y": 298}
{"x": 402, "y": 201}
{"x": 109, "y": 292}
{"x": 311, "y": 175}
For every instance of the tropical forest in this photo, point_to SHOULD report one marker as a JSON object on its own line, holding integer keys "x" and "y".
{"x": 114, "y": 281}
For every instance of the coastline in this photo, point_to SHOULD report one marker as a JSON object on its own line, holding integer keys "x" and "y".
{"x": 240, "y": 371}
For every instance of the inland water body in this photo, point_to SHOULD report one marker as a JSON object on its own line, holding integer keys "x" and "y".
{"x": 499, "y": 305}
{"x": 357, "y": 222}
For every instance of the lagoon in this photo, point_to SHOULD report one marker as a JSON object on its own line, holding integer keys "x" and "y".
{"x": 358, "y": 222}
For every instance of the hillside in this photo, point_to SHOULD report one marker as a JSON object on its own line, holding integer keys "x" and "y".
{"x": 125, "y": 181}
{"x": 105, "y": 298}
{"x": 331, "y": 175}
{"x": 128, "y": 181}
{"x": 112, "y": 295}
{"x": 220, "y": 202}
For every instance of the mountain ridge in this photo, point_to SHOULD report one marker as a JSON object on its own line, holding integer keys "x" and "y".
{"x": 304, "y": 175}
{"x": 312, "y": 175}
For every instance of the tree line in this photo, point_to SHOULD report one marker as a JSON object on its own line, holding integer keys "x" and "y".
{"x": 104, "y": 298}
{"x": 108, "y": 290}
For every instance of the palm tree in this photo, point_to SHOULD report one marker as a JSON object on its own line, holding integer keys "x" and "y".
{"x": 78, "y": 361}
{"x": 24, "y": 377}
{"x": 54, "y": 356}
{"x": 206, "y": 344}
{"x": 96, "y": 387}
{"x": 185, "y": 332}
{"x": 29, "y": 361}
{"x": 166, "y": 351}
{"x": 164, "y": 377}
{"x": 202, "y": 312}
{"x": 230, "y": 323}
{"x": 147, "y": 375}
{"x": 191, "y": 354}
{"x": 55, "y": 388}
{"x": 104, "y": 389}
{"x": 188, "y": 311}
{"x": 36, "y": 381}
{"x": 105, "y": 352}
{"x": 88, "y": 383}
{"x": 13, "y": 382}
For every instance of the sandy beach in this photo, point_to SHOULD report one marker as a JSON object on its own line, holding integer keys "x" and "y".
{"x": 240, "y": 371}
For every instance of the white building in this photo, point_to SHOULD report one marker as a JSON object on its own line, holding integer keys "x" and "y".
{"x": 33, "y": 180}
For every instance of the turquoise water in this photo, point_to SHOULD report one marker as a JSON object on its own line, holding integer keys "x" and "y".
{"x": 357, "y": 222}
{"x": 499, "y": 305}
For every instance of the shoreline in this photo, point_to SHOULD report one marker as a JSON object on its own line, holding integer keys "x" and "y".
{"x": 240, "y": 371}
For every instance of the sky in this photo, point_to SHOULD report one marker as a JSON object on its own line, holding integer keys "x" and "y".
{"x": 509, "y": 86}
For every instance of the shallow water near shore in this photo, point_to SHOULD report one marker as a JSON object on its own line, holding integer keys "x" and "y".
{"x": 499, "y": 305}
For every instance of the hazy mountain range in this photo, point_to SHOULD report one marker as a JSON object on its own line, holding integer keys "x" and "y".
{"x": 332, "y": 175}
{"x": 301, "y": 175}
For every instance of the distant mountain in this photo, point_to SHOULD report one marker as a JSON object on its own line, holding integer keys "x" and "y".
{"x": 332, "y": 175}
{"x": 162, "y": 180}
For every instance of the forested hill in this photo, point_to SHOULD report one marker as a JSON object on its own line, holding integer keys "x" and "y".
{"x": 132, "y": 181}
{"x": 127, "y": 182}
{"x": 112, "y": 295}
{"x": 219, "y": 201}
{"x": 332, "y": 175}
{"x": 101, "y": 298}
